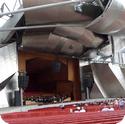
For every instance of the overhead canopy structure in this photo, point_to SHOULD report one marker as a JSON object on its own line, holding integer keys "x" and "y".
{"x": 66, "y": 40}
{"x": 69, "y": 23}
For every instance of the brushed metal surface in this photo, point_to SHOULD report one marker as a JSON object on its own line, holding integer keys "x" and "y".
{"x": 12, "y": 21}
{"x": 106, "y": 81}
{"x": 119, "y": 44}
{"x": 51, "y": 15}
{"x": 8, "y": 61}
{"x": 5, "y": 36}
{"x": 119, "y": 73}
{"x": 112, "y": 20}
{"x": 8, "y": 68}
{"x": 80, "y": 34}
{"x": 52, "y": 43}
{"x": 69, "y": 47}
{"x": 7, "y": 94}
{"x": 95, "y": 92}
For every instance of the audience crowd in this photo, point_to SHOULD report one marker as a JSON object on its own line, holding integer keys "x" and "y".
{"x": 46, "y": 99}
{"x": 103, "y": 106}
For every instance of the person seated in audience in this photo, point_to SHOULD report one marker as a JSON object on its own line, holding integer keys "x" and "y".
{"x": 82, "y": 109}
{"x": 111, "y": 108}
{"x": 78, "y": 109}
{"x": 105, "y": 108}
{"x": 121, "y": 103}
{"x": 71, "y": 110}
{"x": 116, "y": 106}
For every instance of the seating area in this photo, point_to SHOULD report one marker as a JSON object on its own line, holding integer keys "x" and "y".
{"x": 57, "y": 115}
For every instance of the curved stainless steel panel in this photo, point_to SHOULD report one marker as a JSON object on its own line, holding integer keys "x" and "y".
{"x": 8, "y": 61}
{"x": 67, "y": 46}
{"x": 81, "y": 35}
{"x": 51, "y": 15}
{"x": 5, "y": 36}
{"x": 52, "y": 43}
{"x": 112, "y": 20}
{"x": 106, "y": 81}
